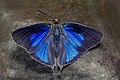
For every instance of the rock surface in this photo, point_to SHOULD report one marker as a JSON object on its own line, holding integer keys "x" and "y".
{"x": 100, "y": 63}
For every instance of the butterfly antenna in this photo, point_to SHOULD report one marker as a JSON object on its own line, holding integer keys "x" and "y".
{"x": 66, "y": 12}
{"x": 44, "y": 14}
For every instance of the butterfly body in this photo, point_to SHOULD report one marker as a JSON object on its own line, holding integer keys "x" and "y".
{"x": 57, "y": 45}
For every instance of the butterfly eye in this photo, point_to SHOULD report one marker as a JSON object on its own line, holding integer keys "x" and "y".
{"x": 53, "y": 20}
{"x": 59, "y": 20}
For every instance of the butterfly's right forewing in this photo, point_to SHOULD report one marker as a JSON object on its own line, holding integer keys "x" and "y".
{"x": 76, "y": 40}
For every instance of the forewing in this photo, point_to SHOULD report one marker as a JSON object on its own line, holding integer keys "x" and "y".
{"x": 76, "y": 40}
{"x": 36, "y": 40}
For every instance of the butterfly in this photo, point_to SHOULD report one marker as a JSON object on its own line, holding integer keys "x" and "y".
{"x": 57, "y": 45}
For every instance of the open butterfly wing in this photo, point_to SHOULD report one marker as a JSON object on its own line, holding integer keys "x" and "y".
{"x": 76, "y": 40}
{"x": 36, "y": 40}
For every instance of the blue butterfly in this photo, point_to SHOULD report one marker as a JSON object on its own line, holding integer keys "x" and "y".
{"x": 57, "y": 45}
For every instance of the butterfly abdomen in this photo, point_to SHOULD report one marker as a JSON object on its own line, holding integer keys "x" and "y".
{"x": 56, "y": 39}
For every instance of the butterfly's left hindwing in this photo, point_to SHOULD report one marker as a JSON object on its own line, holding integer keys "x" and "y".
{"x": 36, "y": 40}
{"x": 77, "y": 39}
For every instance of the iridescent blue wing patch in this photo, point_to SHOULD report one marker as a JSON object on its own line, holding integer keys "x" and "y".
{"x": 36, "y": 40}
{"x": 76, "y": 40}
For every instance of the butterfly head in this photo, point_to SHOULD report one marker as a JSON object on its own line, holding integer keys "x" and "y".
{"x": 56, "y": 21}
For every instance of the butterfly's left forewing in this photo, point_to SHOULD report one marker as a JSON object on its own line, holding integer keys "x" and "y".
{"x": 77, "y": 39}
{"x": 36, "y": 39}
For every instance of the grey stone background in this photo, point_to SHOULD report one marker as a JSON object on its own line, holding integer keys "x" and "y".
{"x": 101, "y": 63}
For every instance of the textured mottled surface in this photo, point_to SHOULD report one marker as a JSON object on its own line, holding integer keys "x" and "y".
{"x": 101, "y": 63}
